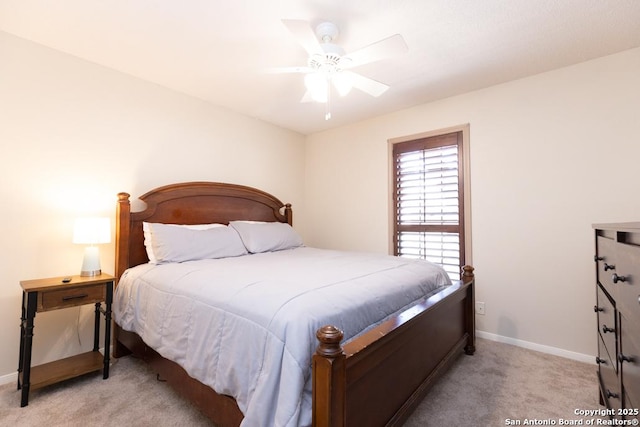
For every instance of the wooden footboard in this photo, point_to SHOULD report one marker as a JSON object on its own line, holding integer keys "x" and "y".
{"x": 407, "y": 354}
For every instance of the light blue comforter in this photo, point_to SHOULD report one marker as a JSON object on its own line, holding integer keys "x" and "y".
{"x": 246, "y": 326}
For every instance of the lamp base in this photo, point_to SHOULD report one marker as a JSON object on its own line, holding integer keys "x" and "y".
{"x": 90, "y": 273}
{"x": 91, "y": 262}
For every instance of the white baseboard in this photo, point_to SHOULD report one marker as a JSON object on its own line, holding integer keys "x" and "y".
{"x": 585, "y": 358}
{"x": 9, "y": 378}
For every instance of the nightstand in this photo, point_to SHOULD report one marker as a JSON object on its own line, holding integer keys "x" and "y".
{"x": 52, "y": 294}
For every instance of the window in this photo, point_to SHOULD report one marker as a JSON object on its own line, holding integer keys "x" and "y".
{"x": 428, "y": 200}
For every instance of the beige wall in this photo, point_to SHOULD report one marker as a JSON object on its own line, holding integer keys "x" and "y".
{"x": 74, "y": 134}
{"x": 550, "y": 155}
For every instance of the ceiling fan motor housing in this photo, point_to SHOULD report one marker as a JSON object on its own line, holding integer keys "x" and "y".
{"x": 330, "y": 61}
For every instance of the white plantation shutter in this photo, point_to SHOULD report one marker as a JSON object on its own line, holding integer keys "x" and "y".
{"x": 429, "y": 201}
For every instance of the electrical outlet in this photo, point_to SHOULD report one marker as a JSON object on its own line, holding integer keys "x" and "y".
{"x": 480, "y": 308}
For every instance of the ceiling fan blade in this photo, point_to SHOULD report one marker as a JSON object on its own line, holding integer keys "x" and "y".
{"x": 365, "y": 84}
{"x": 305, "y": 35}
{"x": 382, "y": 49}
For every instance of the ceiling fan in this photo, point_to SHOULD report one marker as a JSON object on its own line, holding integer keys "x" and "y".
{"x": 329, "y": 65}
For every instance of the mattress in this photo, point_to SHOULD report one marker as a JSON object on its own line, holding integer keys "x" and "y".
{"x": 245, "y": 325}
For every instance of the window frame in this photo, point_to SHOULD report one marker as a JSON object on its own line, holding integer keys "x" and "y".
{"x": 464, "y": 185}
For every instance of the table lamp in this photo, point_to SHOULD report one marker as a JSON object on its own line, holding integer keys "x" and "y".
{"x": 91, "y": 232}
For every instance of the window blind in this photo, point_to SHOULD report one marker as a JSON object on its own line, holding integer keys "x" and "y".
{"x": 428, "y": 201}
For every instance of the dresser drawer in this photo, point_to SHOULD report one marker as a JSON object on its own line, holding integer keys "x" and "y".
{"x": 606, "y": 262}
{"x": 70, "y": 297}
{"x": 627, "y": 288}
{"x": 607, "y": 324}
{"x": 608, "y": 378}
{"x": 629, "y": 363}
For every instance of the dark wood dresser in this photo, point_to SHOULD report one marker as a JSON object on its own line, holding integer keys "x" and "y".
{"x": 618, "y": 312}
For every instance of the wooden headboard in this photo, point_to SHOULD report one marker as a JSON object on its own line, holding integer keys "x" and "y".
{"x": 190, "y": 203}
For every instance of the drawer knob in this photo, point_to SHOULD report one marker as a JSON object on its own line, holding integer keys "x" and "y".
{"x": 606, "y": 329}
{"x": 617, "y": 278}
{"x": 599, "y": 361}
{"x": 622, "y": 358}
{"x": 610, "y": 394}
{"x": 608, "y": 267}
{"x": 597, "y": 258}
{"x": 597, "y": 309}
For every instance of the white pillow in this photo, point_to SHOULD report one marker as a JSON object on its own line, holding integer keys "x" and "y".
{"x": 179, "y": 243}
{"x": 266, "y": 236}
{"x": 148, "y": 239}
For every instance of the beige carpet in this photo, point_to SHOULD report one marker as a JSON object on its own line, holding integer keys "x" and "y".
{"x": 498, "y": 383}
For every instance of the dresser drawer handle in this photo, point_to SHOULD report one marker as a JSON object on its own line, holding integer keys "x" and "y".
{"x": 608, "y": 267}
{"x": 606, "y": 329}
{"x": 599, "y": 361}
{"x": 72, "y": 297}
{"x": 597, "y": 258}
{"x": 622, "y": 358}
{"x": 597, "y": 309}
{"x": 610, "y": 394}
{"x": 617, "y": 278}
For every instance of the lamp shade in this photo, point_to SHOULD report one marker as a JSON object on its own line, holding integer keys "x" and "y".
{"x": 92, "y": 231}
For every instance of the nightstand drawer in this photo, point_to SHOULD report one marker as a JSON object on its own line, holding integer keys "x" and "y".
{"x": 70, "y": 297}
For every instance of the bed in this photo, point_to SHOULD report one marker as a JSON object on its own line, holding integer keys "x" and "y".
{"x": 375, "y": 377}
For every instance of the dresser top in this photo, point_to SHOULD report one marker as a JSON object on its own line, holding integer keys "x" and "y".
{"x": 633, "y": 227}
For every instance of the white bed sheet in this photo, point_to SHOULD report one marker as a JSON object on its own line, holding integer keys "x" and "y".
{"x": 246, "y": 326}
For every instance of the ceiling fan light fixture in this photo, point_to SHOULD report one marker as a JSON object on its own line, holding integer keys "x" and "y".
{"x": 317, "y": 85}
{"x": 342, "y": 83}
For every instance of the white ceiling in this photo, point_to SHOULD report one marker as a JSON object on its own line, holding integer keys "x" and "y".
{"x": 218, "y": 50}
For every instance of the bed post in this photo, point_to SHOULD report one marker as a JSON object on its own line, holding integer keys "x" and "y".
{"x": 470, "y": 322}
{"x": 288, "y": 213}
{"x": 123, "y": 228}
{"x": 329, "y": 379}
